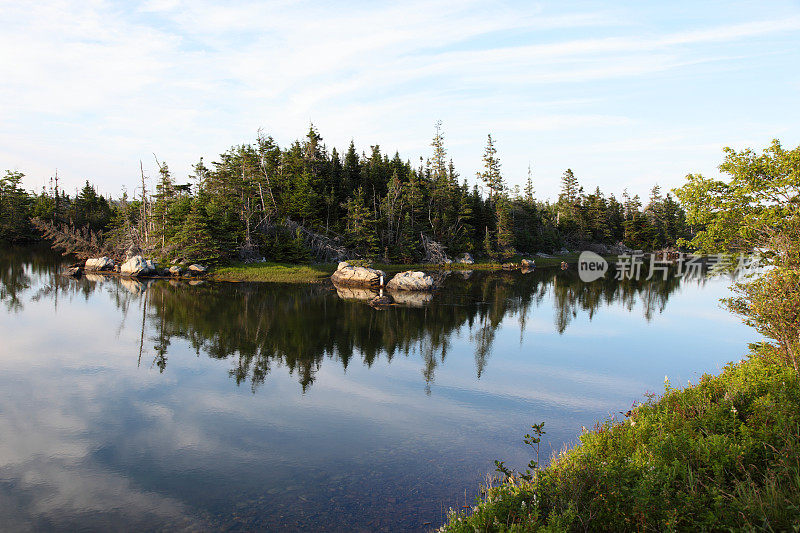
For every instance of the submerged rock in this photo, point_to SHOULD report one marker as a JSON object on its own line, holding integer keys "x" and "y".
{"x": 357, "y": 276}
{"x": 98, "y": 264}
{"x": 138, "y": 266}
{"x": 411, "y": 281}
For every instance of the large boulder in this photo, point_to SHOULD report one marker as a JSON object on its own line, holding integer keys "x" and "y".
{"x": 175, "y": 270}
{"x": 98, "y": 264}
{"x": 138, "y": 266}
{"x": 358, "y": 276}
{"x": 527, "y": 263}
{"x": 411, "y": 281}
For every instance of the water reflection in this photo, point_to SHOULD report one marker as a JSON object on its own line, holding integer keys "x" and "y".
{"x": 261, "y": 326}
{"x": 118, "y": 403}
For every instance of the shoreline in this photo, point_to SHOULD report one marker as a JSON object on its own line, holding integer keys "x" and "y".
{"x": 271, "y": 272}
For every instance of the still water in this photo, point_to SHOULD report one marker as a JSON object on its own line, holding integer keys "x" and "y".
{"x": 132, "y": 406}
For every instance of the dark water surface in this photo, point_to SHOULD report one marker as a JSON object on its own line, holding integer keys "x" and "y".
{"x": 137, "y": 406}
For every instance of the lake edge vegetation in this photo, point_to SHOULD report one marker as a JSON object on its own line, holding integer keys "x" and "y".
{"x": 723, "y": 454}
{"x": 302, "y": 204}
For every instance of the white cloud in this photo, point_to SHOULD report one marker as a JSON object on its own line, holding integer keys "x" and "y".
{"x": 93, "y": 87}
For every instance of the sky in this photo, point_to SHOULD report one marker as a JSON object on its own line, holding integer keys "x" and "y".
{"x": 626, "y": 94}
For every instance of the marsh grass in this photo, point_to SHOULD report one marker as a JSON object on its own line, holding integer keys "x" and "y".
{"x": 723, "y": 454}
{"x": 274, "y": 272}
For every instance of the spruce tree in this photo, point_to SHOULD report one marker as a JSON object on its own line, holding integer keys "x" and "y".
{"x": 491, "y": 175}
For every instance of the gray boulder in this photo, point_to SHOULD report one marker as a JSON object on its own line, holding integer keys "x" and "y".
{"x": 99, "y": 264}
{"x": 138, "y": 266}
{"x": 411, "y": 281}
{"x": 175, "y": 270}
{"x": 357, "y": 276}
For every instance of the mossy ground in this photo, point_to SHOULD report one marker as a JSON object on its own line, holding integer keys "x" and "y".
{"x": 720, "y": 455}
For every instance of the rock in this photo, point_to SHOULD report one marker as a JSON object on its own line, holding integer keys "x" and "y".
{"x": 342, "y": 264}
{"x": 138, "y": 266}
{"x": 74, "y": 271}
{"x": 356, "y": 276}
{"x": 564, "y": 265}
{"x": 562, "y": 251}
{"x": 97, "y": 264}
{"x": 466, "y": 259}
{"x": 542, "y": 254}
{"x": 197, "y": 270}
{"x": 508, "y": 266}
{"x": 447, "y": 261}
{"x": 175, "y": 270}
{"x": 527, "y": 263}
{"x": 411, "y": 281}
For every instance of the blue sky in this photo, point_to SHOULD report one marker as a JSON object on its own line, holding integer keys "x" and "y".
{"x": 626, "y": 94}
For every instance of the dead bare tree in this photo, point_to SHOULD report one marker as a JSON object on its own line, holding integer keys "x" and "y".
{"x": 434, "y": 251}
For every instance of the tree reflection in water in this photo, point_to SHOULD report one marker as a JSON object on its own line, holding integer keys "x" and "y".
{"x": 260, "y": 326}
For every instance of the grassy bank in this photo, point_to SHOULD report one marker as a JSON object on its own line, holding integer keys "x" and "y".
{"x": 273, "y": 272}
{"x": 723, "y": 454}
{"x": 315, "y": 273}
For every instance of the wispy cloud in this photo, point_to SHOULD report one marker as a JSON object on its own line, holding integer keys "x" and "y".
{"x": 91, "y": 87}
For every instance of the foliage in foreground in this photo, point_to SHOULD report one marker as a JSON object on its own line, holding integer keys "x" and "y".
{"x": 722, "y": 454}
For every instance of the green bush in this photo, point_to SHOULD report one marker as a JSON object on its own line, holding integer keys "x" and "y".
{"x": 723, "y": 454}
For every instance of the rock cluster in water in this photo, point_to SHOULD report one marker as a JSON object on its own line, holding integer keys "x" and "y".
{"x": 133, "y": 266}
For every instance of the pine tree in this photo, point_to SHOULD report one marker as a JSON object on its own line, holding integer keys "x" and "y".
{"x": 491, "y": 175}
{"x": 361, "y": 226}
{"x": 195, "y": 241}
{"x": 529, "y": 192}
{"x": 505, "y": 233}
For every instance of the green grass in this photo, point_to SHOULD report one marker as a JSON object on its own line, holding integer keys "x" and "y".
{"x": 723, "y": 454}
{"x": 274, "y": 272}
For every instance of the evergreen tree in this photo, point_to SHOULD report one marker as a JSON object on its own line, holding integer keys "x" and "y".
{"x": 491, "y": 175}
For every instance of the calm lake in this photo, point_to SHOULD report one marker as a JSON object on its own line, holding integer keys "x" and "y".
{"x": 164, "y": 405}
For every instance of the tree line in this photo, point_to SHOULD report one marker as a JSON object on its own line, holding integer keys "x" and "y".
{"x": 303, "y": 202}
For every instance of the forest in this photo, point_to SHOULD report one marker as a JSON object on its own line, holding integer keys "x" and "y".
{"x": 303, "y": 203}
